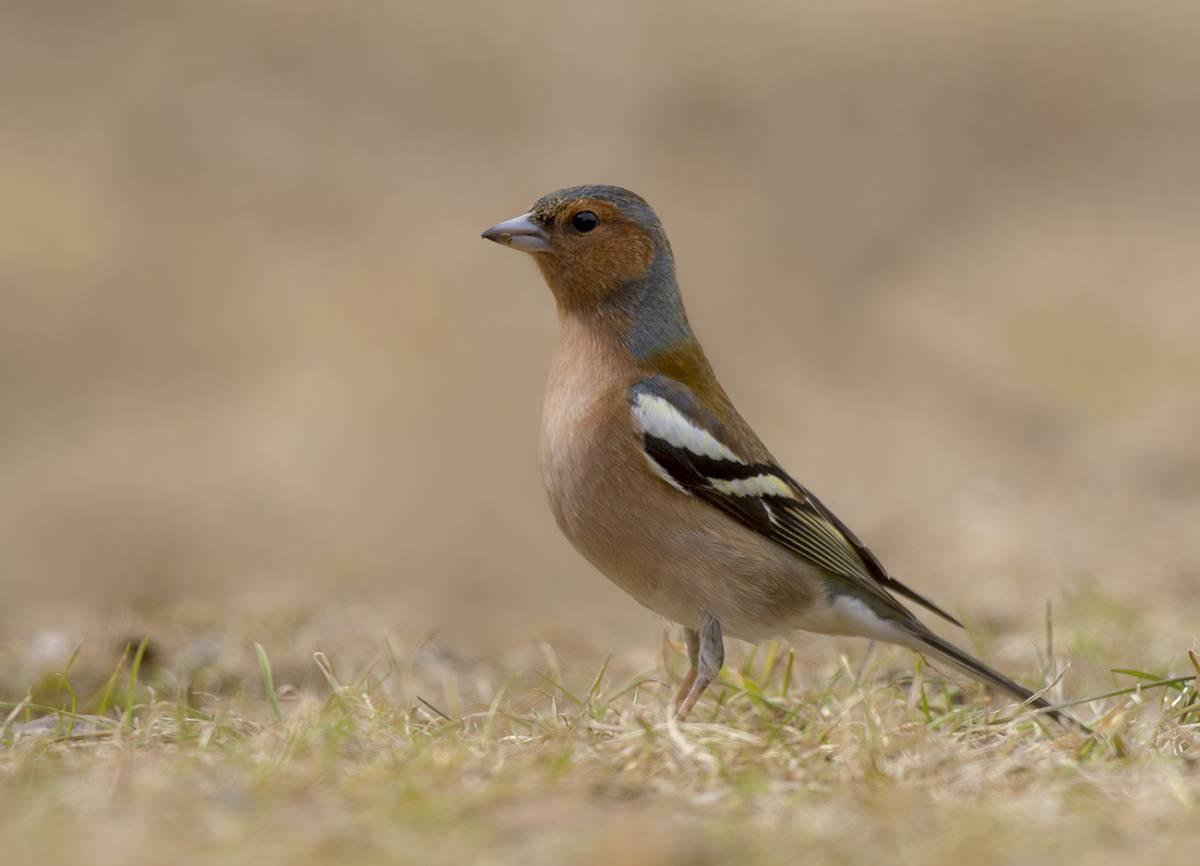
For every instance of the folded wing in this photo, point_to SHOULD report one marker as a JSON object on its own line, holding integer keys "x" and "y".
{"x": 689, "y": 448}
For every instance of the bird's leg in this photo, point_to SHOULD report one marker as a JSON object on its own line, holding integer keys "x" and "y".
{"x": 710, "y": 655}
{"x": 693, "y": 650}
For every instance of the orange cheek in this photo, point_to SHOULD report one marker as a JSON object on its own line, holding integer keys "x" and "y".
{"x": 640, "y": 253}
{"x": 624, "y": 255}
{"x": 586, "y": 269}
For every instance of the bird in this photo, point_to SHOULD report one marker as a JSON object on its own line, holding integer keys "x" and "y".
{"x": 657, "y": 480}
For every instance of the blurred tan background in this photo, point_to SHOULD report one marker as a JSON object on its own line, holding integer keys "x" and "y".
{"x": 254, "y": 355}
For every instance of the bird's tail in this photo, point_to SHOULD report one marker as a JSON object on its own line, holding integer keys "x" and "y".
{"x": 928, "y": 643}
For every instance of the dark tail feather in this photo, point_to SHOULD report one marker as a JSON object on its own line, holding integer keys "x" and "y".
{"x": 914, "y": 596}
{"x": 942, "y": 649}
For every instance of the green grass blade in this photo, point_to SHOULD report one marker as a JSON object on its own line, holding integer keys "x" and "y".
{"x": 786, "y": 685}
{"x": 264, "y": 668}
{"x": 106, "y": 695}
{"x": 131, "y": 687}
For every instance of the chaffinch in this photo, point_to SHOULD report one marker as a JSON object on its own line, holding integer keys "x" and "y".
{"x": 658, "y": 481}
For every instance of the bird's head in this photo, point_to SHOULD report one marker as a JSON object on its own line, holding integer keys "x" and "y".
{"x": 590, "y": 243}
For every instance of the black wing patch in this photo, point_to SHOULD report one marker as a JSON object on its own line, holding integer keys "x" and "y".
{"x": 694, "y": 473}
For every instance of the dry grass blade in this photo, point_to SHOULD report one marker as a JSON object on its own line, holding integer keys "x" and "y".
{"x": 435, "y": 710}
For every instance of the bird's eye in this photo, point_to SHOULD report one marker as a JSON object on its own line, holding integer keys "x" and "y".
{"x": 584, "y": 221}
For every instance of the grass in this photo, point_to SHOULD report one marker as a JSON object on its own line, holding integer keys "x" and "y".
{"x": 542, "y": 758}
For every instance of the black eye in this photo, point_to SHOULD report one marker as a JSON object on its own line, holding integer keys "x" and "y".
{"x": 584, "y": 221}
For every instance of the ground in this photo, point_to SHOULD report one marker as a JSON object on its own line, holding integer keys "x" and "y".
{"x": 398, "y": 750}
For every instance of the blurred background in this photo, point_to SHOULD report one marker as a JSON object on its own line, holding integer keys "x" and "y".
{"x": 255, "y": 360}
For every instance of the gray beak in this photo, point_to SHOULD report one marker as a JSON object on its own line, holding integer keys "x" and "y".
{"x": 520, "y": 233}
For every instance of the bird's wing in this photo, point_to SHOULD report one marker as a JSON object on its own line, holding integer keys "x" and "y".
{"x": 690, "y": 448}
